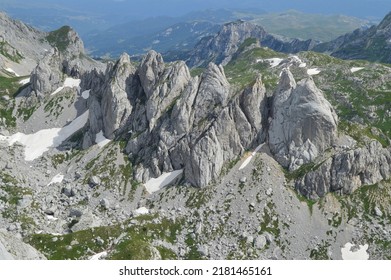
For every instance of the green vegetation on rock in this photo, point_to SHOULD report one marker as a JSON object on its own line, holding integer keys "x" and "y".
{"x": 59, "y": 38}
{"x": 245, "y": 67}
{"x": 9, "y": 52}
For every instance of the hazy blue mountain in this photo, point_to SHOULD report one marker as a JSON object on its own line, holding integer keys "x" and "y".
{"x": 100, "y": 14}
{"x": 138, "y": 36}
{"x": 177, "y": 37}
{"x": 371, "y": 44}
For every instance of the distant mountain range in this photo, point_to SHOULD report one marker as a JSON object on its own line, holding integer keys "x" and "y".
{"x": 373, "y": 44}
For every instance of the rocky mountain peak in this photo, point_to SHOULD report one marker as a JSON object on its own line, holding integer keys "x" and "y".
{"x": 151, "y": 67}
{"x": 285, "y": 85}
{"x": 215, "y": 78}
{"x": 287, "y": 81}
{"x": 241, "y": 28}
{"x": 303, "y": 124}
{"x": 66, "y": 40}
{"x": 225, "y": 43}
{"x": 123, "y": 67}
{"x": 124, "y": 59}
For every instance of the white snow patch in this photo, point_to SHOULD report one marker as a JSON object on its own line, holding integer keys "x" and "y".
{"x": 155, "y": 184}
{"x": 142, "y": 211}
{"x": 274, "y": 61}
{"x": 355, "y": 69}
{"x": 296, "y": 57}
{"x": 57, "y": 179}
{"x": 248, "y": 160}
{"x": 38, "y": 143}
{"x": 86, "y": 94}
{"x": 69, "y": 82}
{"x": 24, "y": 81}
{"x": 360, "y": 254}
{"x": 101, "y": 140}
{"x": 313, "y": 71}
{"x": 11, "y": 71}
{"x": 168, "y": 32}
{"x": 298, "y": 60}
{"x": 99, "y": 256}
{"x": 51, "y": 218}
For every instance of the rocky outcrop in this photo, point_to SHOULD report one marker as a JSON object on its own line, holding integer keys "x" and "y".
{"x": 303, "y": 123}
{"x": 47, "y": 75}
{"x": 162, "y": 86}
{"x": 221, "y": 47}
{"x": 348, "y": 170}
{"x": 226, "y": 131}
{"x": 12, "y": 248}
{"x": 205, "y": 129}
{"x": 115, "y": 103}
{"x": 174, "y": 121}
{"x": 108, "y": 102}
{"x": 65, "y": 57}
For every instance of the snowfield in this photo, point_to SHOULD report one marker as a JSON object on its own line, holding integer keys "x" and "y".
{"x": 298, "y": 60}
{"x": 57, "y": 179}
{"x": 155, "y": 184}
{"x": 11, "y": 71}
{"x": 313, "y": 71}
{"x": 248, "y": 160}
{"x": 274, "y": 62}
{"x": 24, "y": 81}
{"x": 99, "y": 256}
{"x": 41, "y": 141}
{"x": 101, "y": 140}
{"x": 349, "y": 254}
{"x": 355, "y": 69}
{"x": 86, "y": 94}
{"x": 51, "y": 218}
{"x": 141, "y": 211}
{"x": 70, "y": 83}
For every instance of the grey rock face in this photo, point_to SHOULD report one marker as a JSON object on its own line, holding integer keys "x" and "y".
{"x": 13, "y": 248}
{"x": 225, "y": 43}
{"x": 253, "y": 102}
{"x": 303, "y": 123}
{"x": 115, "y": 103}
{"x": 174, "y": 121}
{"x": 22, "y": 42}
{"x": 162, "y": 86}
{"x": 69, "y": 60}
{"x": 202, "y": 129}
{"x": 346, "y": 171}
{"x": 47, "y": 76}
{"x": 4, "y": 254}
{"x": 217, "y": 136}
